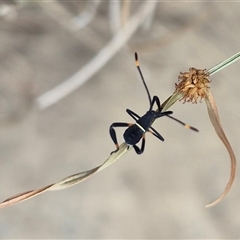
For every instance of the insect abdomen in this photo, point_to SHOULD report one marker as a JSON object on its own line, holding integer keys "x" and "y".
{"x": 133, "y": 134}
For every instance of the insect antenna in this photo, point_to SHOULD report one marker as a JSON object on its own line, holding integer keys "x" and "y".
{"x": 184, "y": 124}
{"x": 144, "y": 83}
{"x": 150, "y": 99}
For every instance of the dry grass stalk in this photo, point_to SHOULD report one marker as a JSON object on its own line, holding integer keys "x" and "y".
{"x": 193, "y": 85}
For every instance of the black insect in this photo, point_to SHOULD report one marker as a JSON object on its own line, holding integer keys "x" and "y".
{"x": 135, "y": 132}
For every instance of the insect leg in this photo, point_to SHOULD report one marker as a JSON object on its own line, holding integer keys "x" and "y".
{"x": 155, "y": 133}
{"x": 155, "y": 99}
{"x": 137, "y": 149}
{"x": 113, "y": 132}
{"x": 133, "y": 114}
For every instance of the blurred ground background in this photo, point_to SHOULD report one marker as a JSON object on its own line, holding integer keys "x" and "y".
{"x": 159, "y": 194}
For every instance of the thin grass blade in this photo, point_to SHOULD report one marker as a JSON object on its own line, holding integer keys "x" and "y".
{"x": 68, "y": 181}
{"x": 171, "y": 100}
{"x": 214, "y": 117}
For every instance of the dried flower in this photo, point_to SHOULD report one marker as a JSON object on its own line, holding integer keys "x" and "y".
{"x": 193, "y": 84}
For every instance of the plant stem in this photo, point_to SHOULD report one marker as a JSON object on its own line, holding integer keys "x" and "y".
{"x": 224, "y": 64}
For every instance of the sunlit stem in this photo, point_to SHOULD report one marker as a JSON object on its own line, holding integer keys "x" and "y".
{"x": 224, "y": 64}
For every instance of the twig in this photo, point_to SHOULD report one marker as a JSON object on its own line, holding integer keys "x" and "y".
{"x": 86, "y": 16}
{"x": 56, "y": 94}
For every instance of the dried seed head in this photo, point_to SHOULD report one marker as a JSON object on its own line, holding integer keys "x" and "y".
{"x": 193, "y": 85}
